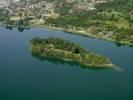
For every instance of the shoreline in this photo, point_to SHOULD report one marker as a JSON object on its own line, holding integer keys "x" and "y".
{"x": 103, "y": 66}
{"x": 108, "y": 66}
{"x": 126, "y": 43}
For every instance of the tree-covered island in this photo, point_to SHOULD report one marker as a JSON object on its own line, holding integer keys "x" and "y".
{"x": 63, "y": 49}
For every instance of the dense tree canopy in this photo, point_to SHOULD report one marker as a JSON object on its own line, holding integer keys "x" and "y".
{"x": 63, "y": 49}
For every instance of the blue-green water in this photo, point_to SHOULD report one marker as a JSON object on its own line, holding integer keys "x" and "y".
{"x": 25, "y": 77}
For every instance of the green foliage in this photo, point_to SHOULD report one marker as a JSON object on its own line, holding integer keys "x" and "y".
{"x": 115, "y": 16}
{"x": 3, "y": 15}
{"x": 125, "y": 34}
{"x": 63, "y": 49}
{"x": 114, "y": 19}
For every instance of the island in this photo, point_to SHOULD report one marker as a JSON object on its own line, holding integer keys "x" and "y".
{"x": 65, "y": 50}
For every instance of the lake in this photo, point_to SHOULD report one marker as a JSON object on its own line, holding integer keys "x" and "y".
{"x": 26, "y": 77}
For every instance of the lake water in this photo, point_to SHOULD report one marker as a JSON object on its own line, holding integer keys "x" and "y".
{"x": 25, "y": 77}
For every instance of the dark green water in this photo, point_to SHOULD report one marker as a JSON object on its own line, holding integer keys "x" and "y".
{"x": 25, "y": 77}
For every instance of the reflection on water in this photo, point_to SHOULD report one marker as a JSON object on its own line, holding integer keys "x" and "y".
{"x": 63, "y": 62}
{"x": 9, "y": 27}
{"x": 118, "y": 44}
{"x": 19, "y": 28}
